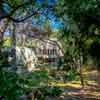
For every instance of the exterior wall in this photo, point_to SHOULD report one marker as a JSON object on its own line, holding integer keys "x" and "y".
{"x": 48, "y": 54}
{"x": 26, "y": 56}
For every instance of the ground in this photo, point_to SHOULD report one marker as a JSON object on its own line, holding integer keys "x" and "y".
{"x": 72, "y": 90}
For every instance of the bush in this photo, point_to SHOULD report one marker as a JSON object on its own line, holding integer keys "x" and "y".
{"x": 43, "y": 92}
{"x": 70, "y": 75}
{"x": 10, "y": 86}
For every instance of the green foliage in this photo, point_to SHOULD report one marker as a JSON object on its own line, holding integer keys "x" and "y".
{"x": 7, "y": 42}
{"x": 54, "y": 91}
{"x": 4, "y": 60}
{"x": 70, "y": 74}
{"x": 11, "y": 88}
{"x": 80, "y": 25}
{"x": 83, "y": 15}
{"x": 95, "y": 49}
{"x": 14, "y": 3}
{"x": 71, "y": 49}
{"x": 47, "y": 91}
{"x": 36, "y": 79}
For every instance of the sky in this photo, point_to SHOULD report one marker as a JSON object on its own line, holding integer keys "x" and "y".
{"x": 7, "y": 33}
{"x": 50, "y": 2}
{"x": 55, "y": 25}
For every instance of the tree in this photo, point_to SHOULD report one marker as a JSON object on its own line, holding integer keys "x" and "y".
{"x": 84, "y": 16}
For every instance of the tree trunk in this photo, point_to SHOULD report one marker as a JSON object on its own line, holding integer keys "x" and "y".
{"x": 1, "y": 41}
{"x": 80, "y": 69}
{"x": 14, "y": 41}
{"x": 3, "y": 27}
{"x": 13, "y": 50}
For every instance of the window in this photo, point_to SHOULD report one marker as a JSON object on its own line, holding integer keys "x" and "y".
{"x": 51, "y": 60}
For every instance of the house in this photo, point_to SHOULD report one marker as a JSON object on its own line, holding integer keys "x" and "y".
{"x": 49, "y": 52}
{"x": 46, "y": 52}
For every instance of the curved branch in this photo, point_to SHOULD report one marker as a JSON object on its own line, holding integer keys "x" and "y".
{"x": 23, "y": 19}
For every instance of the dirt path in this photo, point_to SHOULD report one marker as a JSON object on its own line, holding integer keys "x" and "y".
{"x": 72, "y": 90}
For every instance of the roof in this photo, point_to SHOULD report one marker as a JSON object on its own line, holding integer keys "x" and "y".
{"x": 50, "y": 44}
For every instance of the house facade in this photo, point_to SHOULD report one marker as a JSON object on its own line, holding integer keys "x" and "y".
{"x": 48, "y": 52}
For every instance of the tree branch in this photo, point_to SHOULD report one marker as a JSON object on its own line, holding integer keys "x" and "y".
{"x": 14, "y": 9}
{"x": 23, "y": 19}
{"x": 9, "y": 16}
